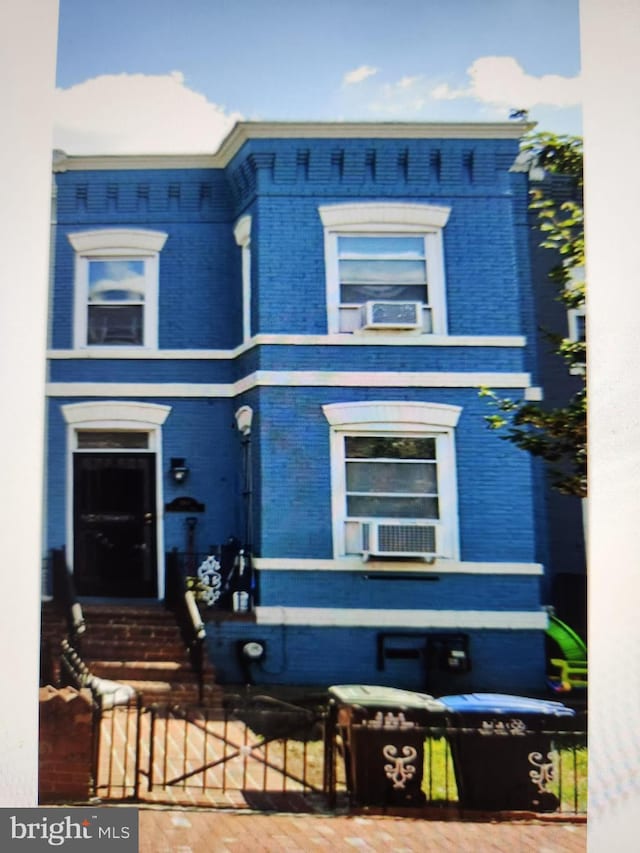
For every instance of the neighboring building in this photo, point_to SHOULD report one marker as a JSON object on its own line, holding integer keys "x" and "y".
{"x": 351, "y": 287}
{"x": 566, "y": 579}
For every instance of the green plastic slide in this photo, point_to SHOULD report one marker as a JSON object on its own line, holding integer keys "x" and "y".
{"x": 572, "y": 646}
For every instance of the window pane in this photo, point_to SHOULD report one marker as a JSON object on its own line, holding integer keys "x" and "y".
{"x": 384, "y": 477}
{"x": 386, "y": 507}
{"x": 116, "y": 281}
{"x": 359, "y": 293}
{"x": 383, "y": 272}
{"x": 377, "y": 446}
{"x": 114, "y": 325}
{"x": 112, "y": 440}
{"x": 398, "y": 247}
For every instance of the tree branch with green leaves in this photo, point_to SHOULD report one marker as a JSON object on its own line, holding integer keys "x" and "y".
{"x": 557, "y": 435}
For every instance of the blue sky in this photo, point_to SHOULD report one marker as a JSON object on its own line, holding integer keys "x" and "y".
{"x": 136, "y": 75}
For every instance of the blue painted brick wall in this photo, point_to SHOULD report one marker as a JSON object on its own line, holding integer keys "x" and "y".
{"x": 389, "y": 358}
{"x": 494, "y": 477}
{"x": 200, "y": 266}
{"x": 438, "y": 592}
{"x": 192, "y": 429}
{"x": 502, "y": 661}
{"x": 142, "y": 370}
{"x": 200, "y": 274}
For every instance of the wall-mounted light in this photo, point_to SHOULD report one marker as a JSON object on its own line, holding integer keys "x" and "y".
{"x": 178, "y": 470}
{"x": 244, "y": 419}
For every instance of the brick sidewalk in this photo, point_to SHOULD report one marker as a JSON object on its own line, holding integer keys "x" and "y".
{"x": 184, "y": 831}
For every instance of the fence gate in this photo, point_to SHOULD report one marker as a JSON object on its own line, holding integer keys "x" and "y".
{"x": 258, "y": 753}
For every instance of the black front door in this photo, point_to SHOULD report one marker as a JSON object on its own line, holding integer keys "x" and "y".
{"x": 114, "y": 504}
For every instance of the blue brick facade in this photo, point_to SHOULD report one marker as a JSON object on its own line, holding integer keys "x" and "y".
{"x": 287, "y": 368}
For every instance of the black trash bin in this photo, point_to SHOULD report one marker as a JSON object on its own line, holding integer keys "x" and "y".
{"x": 501, "y": 747}
{"x": 382, "y": 729}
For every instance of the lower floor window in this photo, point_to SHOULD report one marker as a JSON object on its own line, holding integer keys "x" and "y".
{"x": 394, "y": 487}
{"x": 391, "y": 477}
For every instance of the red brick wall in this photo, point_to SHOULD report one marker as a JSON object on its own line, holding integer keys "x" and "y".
{"x": 66, "y": 736}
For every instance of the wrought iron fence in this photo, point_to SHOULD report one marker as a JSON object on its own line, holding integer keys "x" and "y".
{"x": 249, "y": 753}
{"x": 466, "y": 769}
{"x": 263, "y": 753}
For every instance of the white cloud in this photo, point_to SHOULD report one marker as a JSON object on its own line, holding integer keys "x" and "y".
{"x": 407, "y": 96}
{"x": 501, "y": 81}
{"x": 138, "y": 113}
{"x": 359, "y": 74}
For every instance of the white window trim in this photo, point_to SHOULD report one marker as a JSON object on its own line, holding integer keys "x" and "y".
{"x": 572, "y": 321}
{"x": 125, "y": 243}
{"x": 242, "y": 234}
{"x": 391, "y": 418}
{"x": 387, "y": 218}
{"x": 118, "y": 415}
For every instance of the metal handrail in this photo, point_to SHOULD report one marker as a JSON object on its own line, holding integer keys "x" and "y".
{"x": 183, "y": 603}
{"x": 64, "y": 595}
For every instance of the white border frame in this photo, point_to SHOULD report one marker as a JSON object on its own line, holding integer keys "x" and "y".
{"x": 118, "y": 415}
{"x": 392, "y": 418}
{"x": 126, "y": 244}
{"x": 397, "y": 218}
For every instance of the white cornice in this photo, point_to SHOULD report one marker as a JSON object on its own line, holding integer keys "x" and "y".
{"x": 121, "y": 162}
{"x": 244, "y": 131}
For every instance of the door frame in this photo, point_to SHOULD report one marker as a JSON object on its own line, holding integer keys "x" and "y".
{"x": 118, "y": 415}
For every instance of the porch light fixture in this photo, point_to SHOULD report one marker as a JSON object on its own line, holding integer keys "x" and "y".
{"x": 178, "y": 471}
{"x": 244, "y": 419}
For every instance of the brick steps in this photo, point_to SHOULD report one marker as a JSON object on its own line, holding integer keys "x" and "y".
{"x": 162, "y": 670}
{"x": 131, "y": 650}
{"x": 137, "y": 645}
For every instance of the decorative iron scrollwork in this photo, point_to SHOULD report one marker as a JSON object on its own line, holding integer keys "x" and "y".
{"x": 400, "y": 771}
{"x": 503, "y": 727}
{"x": 209, "y": 574}
{"x": 545, "y": 771}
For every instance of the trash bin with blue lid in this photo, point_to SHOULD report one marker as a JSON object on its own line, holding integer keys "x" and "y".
{"x": 502, "y": 749}
{"x": 383, "y": 734}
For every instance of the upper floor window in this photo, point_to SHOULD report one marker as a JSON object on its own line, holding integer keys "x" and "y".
{"x": 385, "y": 267}
{"x": 116, "y": 287}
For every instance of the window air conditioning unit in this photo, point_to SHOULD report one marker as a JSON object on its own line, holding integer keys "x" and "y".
{"x": 394, "y": 539}
{"x": 392, "y": 315}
